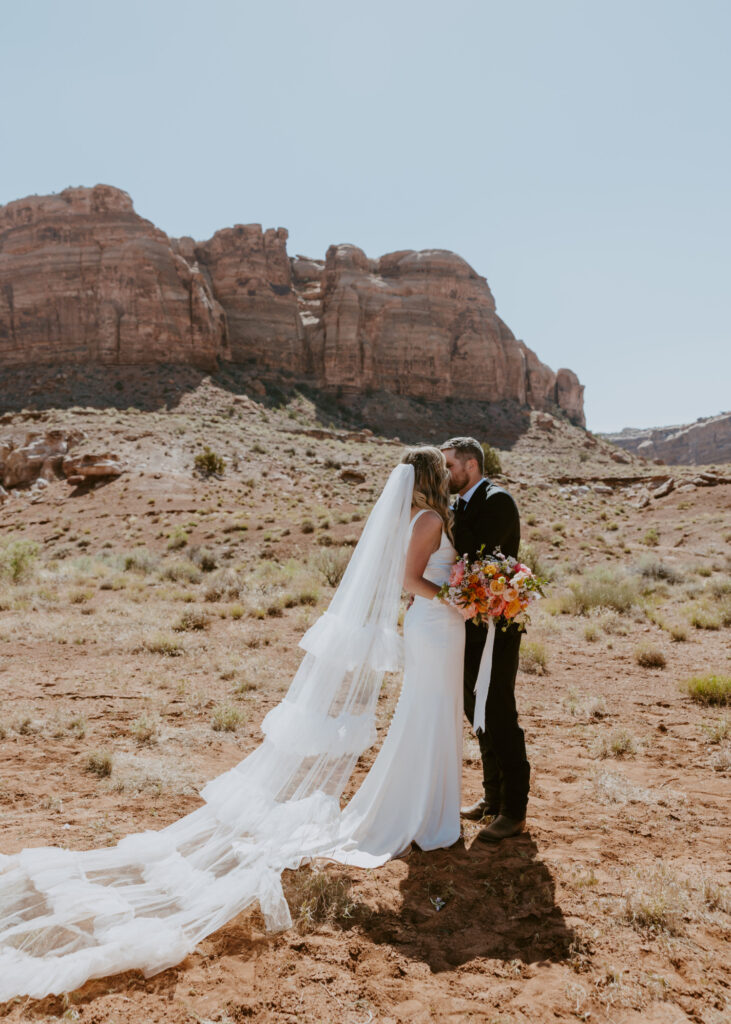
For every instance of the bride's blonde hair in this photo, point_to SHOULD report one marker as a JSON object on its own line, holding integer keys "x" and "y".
{"x": 431, "y": 482}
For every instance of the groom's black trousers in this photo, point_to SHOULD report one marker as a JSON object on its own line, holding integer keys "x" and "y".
{"x": 505, "y": 765}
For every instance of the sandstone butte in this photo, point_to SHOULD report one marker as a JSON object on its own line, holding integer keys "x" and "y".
{"x": 86, "y": 280}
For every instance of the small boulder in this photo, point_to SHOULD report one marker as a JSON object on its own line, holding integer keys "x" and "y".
{"x": 664, "y": 489}
{"x": 353, "y": 476}
{"x": 89, "y": 465}
{"x": 620, "y": 457}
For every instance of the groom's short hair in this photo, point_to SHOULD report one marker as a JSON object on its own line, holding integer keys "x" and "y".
{"x": 466, "y": 448}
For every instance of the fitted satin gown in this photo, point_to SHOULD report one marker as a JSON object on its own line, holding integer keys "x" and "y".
{"x": 412, "y": 792}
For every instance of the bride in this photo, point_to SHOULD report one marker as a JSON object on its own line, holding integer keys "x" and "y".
{"x": 67, "y": 916}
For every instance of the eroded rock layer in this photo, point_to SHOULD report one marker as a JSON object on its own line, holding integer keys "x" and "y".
{"x": 84, "y": 279}
{"x": 701, "y": 443}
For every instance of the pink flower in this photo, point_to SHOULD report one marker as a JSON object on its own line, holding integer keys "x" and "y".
{"x": 456, "y": 575}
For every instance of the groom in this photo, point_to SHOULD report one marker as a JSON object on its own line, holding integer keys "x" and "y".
{"x": 486, "y": 514}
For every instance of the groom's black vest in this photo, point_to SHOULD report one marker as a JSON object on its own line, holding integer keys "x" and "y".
{"x": 491, "y": 518}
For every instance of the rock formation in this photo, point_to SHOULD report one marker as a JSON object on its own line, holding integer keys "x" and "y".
{"x": 84, "y": 279}
{"x": 701, "y": 443}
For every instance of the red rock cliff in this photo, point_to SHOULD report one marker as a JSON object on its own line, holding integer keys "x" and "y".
{"x": 83, "y": 278}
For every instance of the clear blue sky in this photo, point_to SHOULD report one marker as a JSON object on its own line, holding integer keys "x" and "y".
{"x": 576, "y": 152}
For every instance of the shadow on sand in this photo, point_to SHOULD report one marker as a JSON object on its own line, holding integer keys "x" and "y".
{"x": 497, "y": 902}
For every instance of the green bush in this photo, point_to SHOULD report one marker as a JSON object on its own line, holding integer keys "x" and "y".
{"x": 209, "y": 463}
{"x": 710, "y": 689}
{"x": 492, "y": 460}
{"x": 17, "y": 560}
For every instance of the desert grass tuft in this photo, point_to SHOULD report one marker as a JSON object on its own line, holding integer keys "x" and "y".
{"x": 533, "y": 658}
{"x": 650, "y": 657}
{"x": 618, "y": 743}
{"x": 99, "y": 762}
{"x": 658, "y": 903}
{"x": 709, "y": 689}
{"x": 191, "y": 619}
{"x": 145, "y": 729}
{"x": 602, "y": 587}
{"x": 226, "y": 718}
{"x": 319, "y": 897}
{"x": 331, "y": 562}
{"x": 18, "y": 560}
{"x": 160, "y": 643}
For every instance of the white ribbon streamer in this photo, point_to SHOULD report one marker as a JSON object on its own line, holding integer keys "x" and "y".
{"x": 482, "y": 683}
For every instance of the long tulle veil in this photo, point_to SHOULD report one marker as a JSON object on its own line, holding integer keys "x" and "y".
{"x": 67, "y": 916}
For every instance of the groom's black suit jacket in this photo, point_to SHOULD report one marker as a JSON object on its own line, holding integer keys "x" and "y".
{"x": 491, "y": 518}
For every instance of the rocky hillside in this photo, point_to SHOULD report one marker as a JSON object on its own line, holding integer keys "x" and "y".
{"x": 704, "y": 442}
{"x": 84, "y": 280}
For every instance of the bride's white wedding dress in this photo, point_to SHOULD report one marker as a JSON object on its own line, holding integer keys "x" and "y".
{"x": 70, "y": 915}
{"x": 412, "y": 791}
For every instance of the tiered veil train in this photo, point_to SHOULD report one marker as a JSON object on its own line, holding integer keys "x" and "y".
{"x": 67, "y": 916}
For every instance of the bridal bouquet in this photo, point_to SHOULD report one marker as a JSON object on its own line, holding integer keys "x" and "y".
{"x": 493, "y": 588}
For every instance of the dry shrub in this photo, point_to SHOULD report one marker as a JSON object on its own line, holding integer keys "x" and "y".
{"x": 99, "y": 762}
{"x": 709, "y": 689}
{"x": 533, "y": 658}
{"x": 18, "y": 560}
{"x": 658, "y": 903}
{"x": 318, "y": 897}
{"x": 602, "y": 587}
{"x": 618, "y": 743}
{"x": 226, "y": 718}
{"x": 716, "y": 732}
{"x": 204, "y": 558}
{"x": 160, "y": 643}
{"x": 652, "y": 567}
{"x": 191, "y": 619}
{"x": 181, "y": 569}
{"x": 145, "y": 729}
{"x": 178, "y": 538}
{"x": 529, "y": 555}
{"x": 650, "y": 657}
{"x": 331, "y": 562}
{"x": 140, "y": 560}
{"x": 226, "y": 585}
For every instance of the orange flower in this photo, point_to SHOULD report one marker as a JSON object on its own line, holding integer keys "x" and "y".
{"x": 510, "y": 594}
{"x": 512, "y": 608}
{"x": 497, "y": 586}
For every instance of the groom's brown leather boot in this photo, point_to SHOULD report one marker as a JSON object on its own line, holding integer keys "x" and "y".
{"x": 482, "y": 809}
{"x": 502, "y": 827}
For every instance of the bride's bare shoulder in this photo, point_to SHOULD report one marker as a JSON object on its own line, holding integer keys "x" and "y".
{"x": 427, "y": 524}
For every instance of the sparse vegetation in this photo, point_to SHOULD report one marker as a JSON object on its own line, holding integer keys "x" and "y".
{"x": 332, "y": 563}
{"x": 191, "y": 619}
{"x": 319, "y": 897}
{"x": 533, "y": 658}
{"x": 18, "y": 560}
{"x": 208, "y": 463}
{"x": 650, "y": 657}
{"x": 658, "y": 902}
{"x": 619, "y": 742}
{"x": 492, "y": 460}
{"x": 99, "y": 762}
{"x": 602, "y": 587}
{"x": 709, "y": 689}
{"x": 226, "y": 718}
